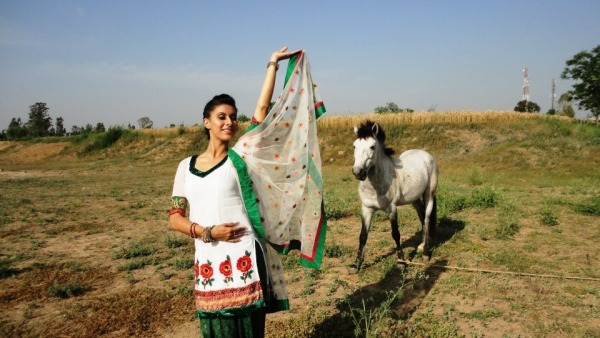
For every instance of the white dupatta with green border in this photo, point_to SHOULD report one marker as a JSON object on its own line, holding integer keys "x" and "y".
{"x": 279, "y": 167}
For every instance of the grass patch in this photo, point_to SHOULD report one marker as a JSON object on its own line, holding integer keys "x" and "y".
{"x": 485, "y": 197}
{"x": 135, "y": 249}
{"x": 589, "y": 208}
{"x": 6, "y": 270}
{"x": 548, "y": 217}
{"x": 73, "y": 288}
{"x": 137, "y": 264}
{"x": 173, "y": 241}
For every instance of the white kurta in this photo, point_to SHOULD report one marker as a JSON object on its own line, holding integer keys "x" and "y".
{"x": 226, "y": 273}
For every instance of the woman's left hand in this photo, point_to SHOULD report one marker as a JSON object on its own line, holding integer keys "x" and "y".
{"x": 283, "y": 54}
{"x": 228, "y": 232}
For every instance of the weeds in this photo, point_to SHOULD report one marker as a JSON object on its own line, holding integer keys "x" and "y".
{"x": 547, "y": 217}
{"x": 591, "y": 208}
{"x": 135, "y": 249}
{"x": 136, "y": 264}
{"x": 73, "y": 288}
{"x": 485, "y": 197}
{"x": 172, "y": 241}
{"x": 5, "y": 268}
{"x": 475, "y": 178}
{"x": 368, "y": 316}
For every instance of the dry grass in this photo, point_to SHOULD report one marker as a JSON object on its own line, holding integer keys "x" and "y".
{"x": 86, "y": 250}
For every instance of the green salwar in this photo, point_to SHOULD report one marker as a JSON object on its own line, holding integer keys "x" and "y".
{"x": 251, "y": 326}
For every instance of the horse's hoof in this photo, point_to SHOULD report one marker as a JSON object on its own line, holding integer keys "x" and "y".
{"x": 421, "y": 248}
{"x": 426, "y": 259}
{"x": 402, "y": 264}
{"x": 353, "y": 269}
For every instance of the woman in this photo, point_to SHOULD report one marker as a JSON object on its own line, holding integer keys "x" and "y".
{"x": 238, "y": 276}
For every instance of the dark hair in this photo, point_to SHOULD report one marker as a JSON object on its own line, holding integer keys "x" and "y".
{"x": 217, "y": 101}
{"x": 371, "y": 129}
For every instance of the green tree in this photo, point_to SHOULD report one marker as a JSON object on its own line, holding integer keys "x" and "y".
{"x": 584, "y": 67}
{"x": 527, "y": 107}
{"x": 100, "y": 128}
{"x": 60, "y": 128}
{"x": 145, "y": 122}
{"x": 243, "y": 118}
{"x": 564, "y": 105}
{"x": 88, "y": 129}
{"x": 16, "y": 130}
{"x": 391, "y": 107}
{"x": 39, "y": 120}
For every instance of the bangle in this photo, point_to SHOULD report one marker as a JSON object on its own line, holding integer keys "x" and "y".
{"x": 193, "y": 230}
{"x": 273, "y": 63}
{"x": 206, "y": 235}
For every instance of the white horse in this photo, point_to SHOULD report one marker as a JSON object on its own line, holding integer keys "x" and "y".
{"x": 386, "y": 183}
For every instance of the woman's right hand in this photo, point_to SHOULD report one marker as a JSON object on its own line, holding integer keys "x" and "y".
{"x": 228, "y": 232}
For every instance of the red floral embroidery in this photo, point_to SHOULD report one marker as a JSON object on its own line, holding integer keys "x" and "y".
{"x": 196, "y": 270}
{"x": 244, "y": 264}
{"x": 206, "y": 271}
{"x": 226, "y": 270}
{"x": 276, "y": 155}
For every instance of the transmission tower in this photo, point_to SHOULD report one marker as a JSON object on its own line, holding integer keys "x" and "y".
{"x": 525, "y": 85}
{"x": 553, "y": 92}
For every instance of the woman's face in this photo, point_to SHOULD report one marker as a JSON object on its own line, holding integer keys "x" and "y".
{"x": 222, "y": 124}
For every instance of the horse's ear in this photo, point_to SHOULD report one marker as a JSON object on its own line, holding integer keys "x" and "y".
{"x": 356, "y": 130}
{"x": 375, "y": 129}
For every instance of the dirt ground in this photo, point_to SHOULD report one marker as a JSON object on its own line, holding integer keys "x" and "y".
{"x": 66, "y": 224}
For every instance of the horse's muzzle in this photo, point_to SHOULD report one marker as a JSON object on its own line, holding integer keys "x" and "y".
{"x": 359, "y": 173}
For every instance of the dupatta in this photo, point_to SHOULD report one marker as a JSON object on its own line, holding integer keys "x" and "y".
{"x": 279, "y": 167}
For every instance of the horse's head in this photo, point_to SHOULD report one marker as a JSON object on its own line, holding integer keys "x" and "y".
{"x": 368, "y": 138}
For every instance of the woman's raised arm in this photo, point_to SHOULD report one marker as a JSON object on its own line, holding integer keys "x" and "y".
{"x": 266, "y": 93}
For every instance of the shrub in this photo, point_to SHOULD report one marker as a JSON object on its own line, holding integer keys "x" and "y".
{"x": 104, "y": 140}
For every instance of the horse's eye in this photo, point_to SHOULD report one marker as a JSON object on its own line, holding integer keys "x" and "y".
{"x": 354, "y": 147}
{"x": 372, "y": 147}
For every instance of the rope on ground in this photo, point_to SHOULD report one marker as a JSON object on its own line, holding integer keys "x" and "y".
{"x": 450, "y": 267}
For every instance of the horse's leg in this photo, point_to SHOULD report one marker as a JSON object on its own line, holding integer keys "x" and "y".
{"x": 420, "y": 208}
{"x": 366, "y": 216}
{"x": 393, "y": 216}
{"x": 429, "y": 206}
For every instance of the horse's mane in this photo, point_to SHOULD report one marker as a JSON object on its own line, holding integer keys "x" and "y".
{"x": 365, "y": 130}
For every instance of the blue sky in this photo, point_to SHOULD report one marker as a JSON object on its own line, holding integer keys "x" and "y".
{"x": 116, "y": 61}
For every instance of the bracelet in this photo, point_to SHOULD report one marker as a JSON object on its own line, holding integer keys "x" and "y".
{"x": 273, "y": 63}
{"x": 206, "y": 235}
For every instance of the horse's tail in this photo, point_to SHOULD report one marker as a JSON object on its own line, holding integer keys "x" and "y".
{"x": 433, "y": 217}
